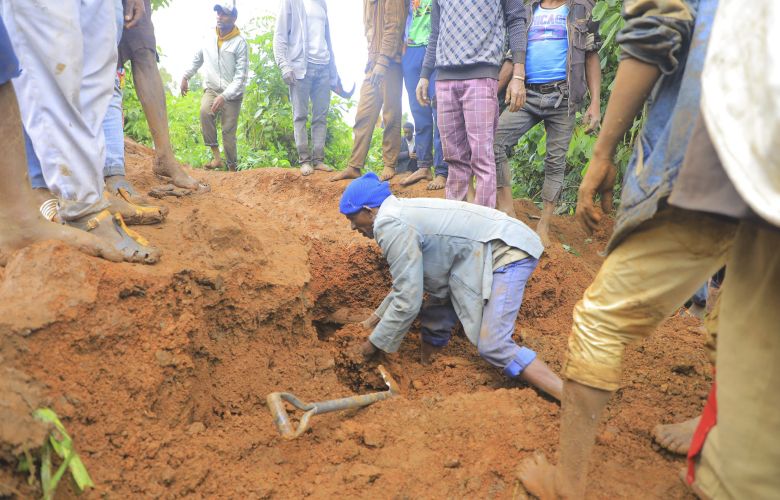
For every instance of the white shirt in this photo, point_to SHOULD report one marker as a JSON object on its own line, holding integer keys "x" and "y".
{"x": 316, "y": 22}
{"x": 741, "y": 100}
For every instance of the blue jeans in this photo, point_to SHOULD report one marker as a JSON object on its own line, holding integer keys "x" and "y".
{"x": 426, "y": 129}
{"x": 495, "y": 343}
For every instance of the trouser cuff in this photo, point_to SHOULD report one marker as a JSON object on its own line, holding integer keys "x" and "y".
{"x": 524, "y": 358}
{"x": 604, "y": 377}
{"x": 110, "y": 170}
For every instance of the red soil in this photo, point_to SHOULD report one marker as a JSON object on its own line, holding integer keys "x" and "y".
{"x": 160, "y": 372}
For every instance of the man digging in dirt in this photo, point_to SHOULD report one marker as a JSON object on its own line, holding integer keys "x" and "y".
{"x": 685, "y": 211}
{"x": 472, "y": 261}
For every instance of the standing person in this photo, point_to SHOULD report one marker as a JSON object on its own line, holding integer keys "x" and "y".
{"x": 561, "y": 63}
{"x": 63, "y": 107}
{"x": 473, "y": 262}
{"x": 226, "y": 60}
{"x": 418, "y": 31}
{"x": 139, "y": 46}
{"x": 466, "y": 48}
{"x": 381, "y": 89}
{"x": 304, "y": 54}
{"x": 407, "y": 158}
{"x": 684, "y": 213}
{"x": 21, "y": 222}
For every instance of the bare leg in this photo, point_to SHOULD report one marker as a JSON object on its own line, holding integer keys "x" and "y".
{"x": 504, "y": 201}
{"x": 346, "y": 174}
{"x": 19, "y": 216}
{"x": 676, "y": 437}
{"x": 543, "y": 228}
{"x": 582, "y": 407}
{"x": 422, "y": 174}
{"x": 149, "y": 88}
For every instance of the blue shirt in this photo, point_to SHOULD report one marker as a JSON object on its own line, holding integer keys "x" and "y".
{"x": 548, "y": 45}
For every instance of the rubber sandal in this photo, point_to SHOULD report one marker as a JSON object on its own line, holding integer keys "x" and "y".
{"x": 133, "y": 247}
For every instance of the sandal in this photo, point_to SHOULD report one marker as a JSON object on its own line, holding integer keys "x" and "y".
{"x": 133, "y": 247}
{"x": 133, "y": 212}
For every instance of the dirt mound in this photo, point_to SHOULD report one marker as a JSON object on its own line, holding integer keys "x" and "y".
{"x": 160, "y": 373}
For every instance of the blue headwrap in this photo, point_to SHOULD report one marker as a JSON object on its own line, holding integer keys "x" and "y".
{"x": 365, "y": 191}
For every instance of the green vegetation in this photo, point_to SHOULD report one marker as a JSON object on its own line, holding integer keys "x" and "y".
{"x": 62, "y": 445}
{"x": 266, "y": 130}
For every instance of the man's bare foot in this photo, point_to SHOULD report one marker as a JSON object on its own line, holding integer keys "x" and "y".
{"x": 215, "y": 164}
{"x": 346, "y": 174}
{"x": 322, "y": 167}
{"x": 538, "y": 477}
{"x": 676, "y": 437}
{"x": 427, "y": 351}
{"x": 112, "y": 230}
{"x": 440, "y": 182}
{"x": 543, "y": 230}
{"x": 387, "y": 174}
{"x": 173, "y": 171}
{"x": 133, "y": 213}
{"x": 18, "y": 233}
{"x": 422, "y": 174}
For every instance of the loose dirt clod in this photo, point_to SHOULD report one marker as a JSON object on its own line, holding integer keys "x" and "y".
{"x": 248, "y": 299}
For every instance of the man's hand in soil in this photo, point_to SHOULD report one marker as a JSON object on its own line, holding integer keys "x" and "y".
{"x": 217, "y": 105}
{"x": 599, "y": 179}
{"x": 378, "y": 75}
{"x": 592, "y": 118}
{"x": 185, "y": 86}
{"x": 289, "y": 78}
{"x": 134, "y": 11}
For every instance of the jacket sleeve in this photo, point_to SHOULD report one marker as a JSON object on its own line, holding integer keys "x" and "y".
{"x": 656, "y": 31}
{"x": 403, "y": 250}
{"x": 280, "y": 36}
{"x": 516, "y": 16}
{"x": 392, "y": 31}
{"x": 197, "y": 62}
{"x": 241, "y": 76}
{"x": 429, "y": 63}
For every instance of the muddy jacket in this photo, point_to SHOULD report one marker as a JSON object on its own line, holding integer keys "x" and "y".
{"x": 661, "y": 32}
{"x": 440, "y": 247}
{"x": 384, "y": 22}
{"x": 584, "y": 37}
{"x": 226, "y": 67}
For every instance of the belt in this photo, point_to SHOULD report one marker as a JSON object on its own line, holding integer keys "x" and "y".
{"x": 548, "y": 88}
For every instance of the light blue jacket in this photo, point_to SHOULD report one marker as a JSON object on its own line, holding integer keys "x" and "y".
{"x": 441, "y": 247}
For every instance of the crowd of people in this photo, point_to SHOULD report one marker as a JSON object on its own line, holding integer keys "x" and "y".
{"x": 702, "y": 190}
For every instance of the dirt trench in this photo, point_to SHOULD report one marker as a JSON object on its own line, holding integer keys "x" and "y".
{"x": 160, "y": 373}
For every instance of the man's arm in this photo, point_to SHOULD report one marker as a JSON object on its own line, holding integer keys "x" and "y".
{"x": 281, "y": 33}
{"x": 592, "y": 115}
{"x": 516, "y": 16}
{"x": 197, "y": 62}
{"x": 652, "y": 36}
{"x": 401, "y": 247}
{"x": 237, "y": 86}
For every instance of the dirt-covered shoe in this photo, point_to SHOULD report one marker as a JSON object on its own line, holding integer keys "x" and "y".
{"x": 111, "y": 228}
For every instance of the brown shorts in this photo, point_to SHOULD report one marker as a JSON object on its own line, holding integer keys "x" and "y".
{"x": 139, "y": 37}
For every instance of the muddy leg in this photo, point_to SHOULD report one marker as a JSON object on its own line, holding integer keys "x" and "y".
{"x": 543, "y": 228}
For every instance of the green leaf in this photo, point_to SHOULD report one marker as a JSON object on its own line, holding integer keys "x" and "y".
{"x": 599, "y": 10}
{"x": 571, "y": 250}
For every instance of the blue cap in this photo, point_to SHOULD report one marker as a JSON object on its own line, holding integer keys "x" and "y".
{"x": 226, "y": 7}
{"x": 365, "y": 191}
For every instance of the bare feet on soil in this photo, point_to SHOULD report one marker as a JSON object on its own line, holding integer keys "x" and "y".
{"x": 440, "y": 182}
{"x": 422, "y": 174}
{"x": 112, "y": 231}
{"x": 346, "y": 174}
{"x": 538, "y": 477}
{"x": 387, "y": 174}
{"x": 323, "y": 167}
{"x": 214, "y": 165}
{"x": 676, "y": 437}
{"x": 172, "y": 170}
{"x": 134, "y": 213}
{"x": 18, "y": 233}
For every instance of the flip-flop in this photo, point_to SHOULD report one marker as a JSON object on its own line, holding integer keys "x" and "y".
{"x": 133, "y": 247}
